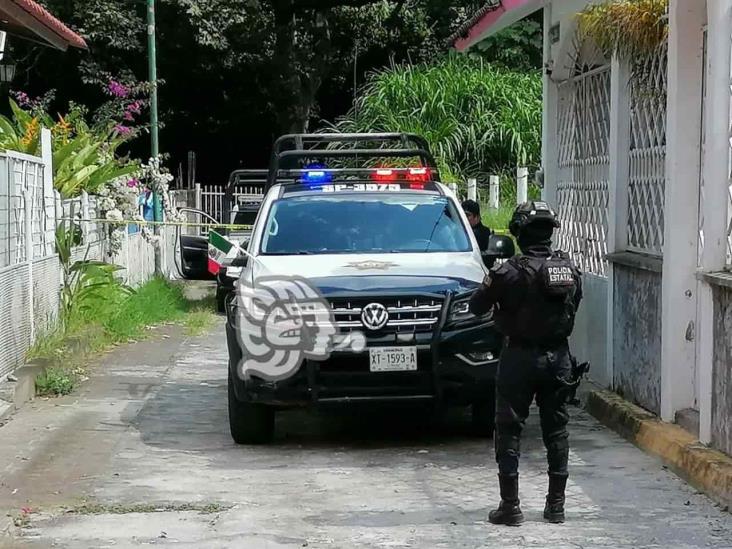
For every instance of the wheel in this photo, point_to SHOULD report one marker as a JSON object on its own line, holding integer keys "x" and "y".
{"x": 249, "y": 423}
{"x": 484, "y": 416}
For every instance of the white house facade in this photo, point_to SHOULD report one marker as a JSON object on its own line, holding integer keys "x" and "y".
{"x": 636, "y": 158}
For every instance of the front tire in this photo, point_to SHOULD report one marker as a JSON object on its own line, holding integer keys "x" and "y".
{"x": 249, "y": 423}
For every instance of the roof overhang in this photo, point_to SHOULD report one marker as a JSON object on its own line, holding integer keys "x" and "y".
{"x": 29, "y": 20}
{"x": 493, "y": 18}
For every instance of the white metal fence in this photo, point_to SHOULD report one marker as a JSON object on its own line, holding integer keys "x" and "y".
{"x": 30, "y": 271}
{"x": 210, "y": 198}
{"x": 646, "y": 184}
{"x": 584, "y": 164}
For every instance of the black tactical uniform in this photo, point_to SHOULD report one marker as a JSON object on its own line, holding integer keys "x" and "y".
{"x": 481, "y": 232}
{"x": 536, "y": 296}
{"x": 482, "y": 235}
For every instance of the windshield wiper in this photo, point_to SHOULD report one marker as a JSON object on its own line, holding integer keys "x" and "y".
{"x": 437, "y": 223}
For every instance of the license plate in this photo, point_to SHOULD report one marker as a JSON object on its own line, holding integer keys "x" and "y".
{"x": 393, "y": 359}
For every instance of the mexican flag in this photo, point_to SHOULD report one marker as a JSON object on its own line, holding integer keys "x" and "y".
{"x": 220, "y": 252}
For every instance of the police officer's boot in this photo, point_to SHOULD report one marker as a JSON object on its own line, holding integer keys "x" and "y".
{"x": 508, "y": 512}
{"x": 554, "y": 508}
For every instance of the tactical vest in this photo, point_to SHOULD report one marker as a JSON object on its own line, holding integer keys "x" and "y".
{"x": 545, "y": 313}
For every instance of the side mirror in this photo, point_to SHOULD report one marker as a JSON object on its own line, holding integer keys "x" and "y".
{"x": 240, "y": 261}
{"x": 499, "y": 247}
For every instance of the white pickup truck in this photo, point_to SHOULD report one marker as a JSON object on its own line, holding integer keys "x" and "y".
{"x": 391, "y": 253}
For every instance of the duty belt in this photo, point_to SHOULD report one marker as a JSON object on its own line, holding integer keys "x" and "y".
{"x": 516, "y": 342}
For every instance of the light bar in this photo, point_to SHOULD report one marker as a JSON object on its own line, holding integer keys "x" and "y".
{"x": 420, "y": 175}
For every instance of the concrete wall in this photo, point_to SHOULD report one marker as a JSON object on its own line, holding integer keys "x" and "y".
{"x": 722, "y": 371}
{"x": 590, "y": 334}
{"x": 637, "y": 336}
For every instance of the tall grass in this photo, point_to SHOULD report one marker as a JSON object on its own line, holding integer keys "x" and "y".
{"x": 105, "y": 322}
{"x": 497, "y": 219}
{"x": 478, "y": 118}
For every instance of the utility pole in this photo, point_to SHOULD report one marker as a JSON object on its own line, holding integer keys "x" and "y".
{"x": 153, "y": 77}
{"x": 154, "y": 144}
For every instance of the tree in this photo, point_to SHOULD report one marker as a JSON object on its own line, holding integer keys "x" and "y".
{"x": 518, "y": 47}
{"x": 236, "y": 73}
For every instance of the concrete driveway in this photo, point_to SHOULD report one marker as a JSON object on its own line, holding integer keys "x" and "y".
{"x": 141, "y": 456}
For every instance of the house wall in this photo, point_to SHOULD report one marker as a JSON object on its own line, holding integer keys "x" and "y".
{"x": 721, "y": 435}
{"x": 589, "y": 338}
{"x": 637, "y": 336}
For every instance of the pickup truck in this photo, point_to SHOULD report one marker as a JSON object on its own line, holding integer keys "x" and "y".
{"x": 242, "y": 199}
{"x": 391, "y": 254}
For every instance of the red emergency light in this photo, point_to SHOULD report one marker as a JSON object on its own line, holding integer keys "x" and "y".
{"x": 417, "y": 175}
{"x": 384, "y": 174}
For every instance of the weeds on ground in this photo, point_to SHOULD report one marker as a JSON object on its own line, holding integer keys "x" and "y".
{"x": 56, "y": 380}
{"x": 124, "y": 509}
{"x": 111, "y": 318}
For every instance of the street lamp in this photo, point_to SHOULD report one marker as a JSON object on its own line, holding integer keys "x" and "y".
{"x": 7, "y": 66}
{"x": 7, "y": 72}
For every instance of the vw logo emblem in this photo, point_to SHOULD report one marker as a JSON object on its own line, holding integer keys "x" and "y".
{"x": 374, "y": 316}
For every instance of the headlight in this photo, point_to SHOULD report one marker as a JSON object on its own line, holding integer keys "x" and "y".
{"x": 460, "y": 312}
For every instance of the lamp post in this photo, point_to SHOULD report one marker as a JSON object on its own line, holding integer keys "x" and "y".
{"x": 154, "y": 144}
{"x": 7, "y": 66}
{"x": 153, "y": 77}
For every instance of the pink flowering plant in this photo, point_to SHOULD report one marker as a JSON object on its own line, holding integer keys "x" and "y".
{"x": 85, "y": 152}
{"x": 85, "y": 147}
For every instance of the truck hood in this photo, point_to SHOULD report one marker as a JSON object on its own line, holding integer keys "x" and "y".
{"x": 379, "y": 273}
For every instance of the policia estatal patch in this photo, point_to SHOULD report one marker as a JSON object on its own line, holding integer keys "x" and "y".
{"x": 558, "y": 275}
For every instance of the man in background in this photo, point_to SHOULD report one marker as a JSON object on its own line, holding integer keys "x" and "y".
{"x": 481, "y": 232}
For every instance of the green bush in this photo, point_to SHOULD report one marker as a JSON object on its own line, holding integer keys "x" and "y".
{"x": 84, "y": 156}
{"x": 155, "y": 302}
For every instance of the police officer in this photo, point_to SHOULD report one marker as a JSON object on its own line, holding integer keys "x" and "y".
{"x": 481, "y": 232}
{"x": 536, "y": 296}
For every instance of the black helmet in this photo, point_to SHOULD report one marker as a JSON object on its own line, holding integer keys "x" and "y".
{"x": 529, "y": 213}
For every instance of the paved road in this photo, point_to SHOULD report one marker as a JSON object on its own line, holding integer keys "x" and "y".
{"x": 142, "y": 457}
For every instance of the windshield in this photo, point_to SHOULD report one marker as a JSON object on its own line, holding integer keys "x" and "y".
{"x": 364, "y": 223}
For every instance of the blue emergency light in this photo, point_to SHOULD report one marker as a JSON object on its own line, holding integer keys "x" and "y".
{"x": 316, "y": 173}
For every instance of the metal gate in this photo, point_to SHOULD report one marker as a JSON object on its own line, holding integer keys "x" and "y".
{"x": 584, "y": 168}
{"x": 210, "y": 198}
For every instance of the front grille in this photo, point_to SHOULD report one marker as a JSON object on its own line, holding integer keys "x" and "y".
{"x": 406, "y": 314}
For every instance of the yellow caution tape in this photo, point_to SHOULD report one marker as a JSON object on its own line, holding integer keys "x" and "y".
{"x": 502, "y": 232}
{"x": 159, "y": 223}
